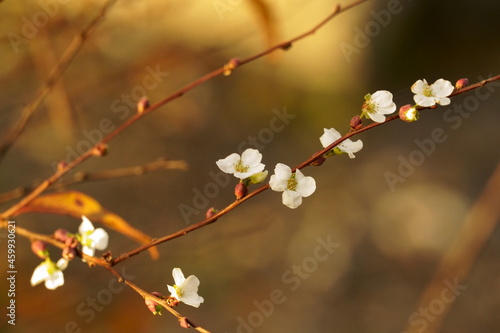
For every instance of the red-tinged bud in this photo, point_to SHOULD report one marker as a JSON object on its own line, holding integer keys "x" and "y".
{"x": 356, "y": 123}
{"x": 184, "y": 323}
{"x": 100, "y": 150}
{"x": 142, "y": 105}
{"x": 240, "y": 191}
{"x": 61, "y": 235}
{"x": 319, "y": 161}
{"x": 71, "y": 242}
{"x": 230, "y": 66}
{"x": 211, "y": 212}
{"x": 40, "y": 249}
{"x": 69, "y": 253}
{"x": 154, "y": 307}
{"x": 462, "y": 83}
{"x": 408, "y": 113}
{"x": 61, "y": 165}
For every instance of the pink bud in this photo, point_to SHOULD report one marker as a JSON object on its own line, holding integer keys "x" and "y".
{"x": 462, "y": 83}
{"x": 71, "y": 242}
{"x": 69, "y": 253}
{"x": 61, "y": 235}
{"x": 408, "y": 113}
{"x": 211, "y": 212}
{"x": 142, "y": 105}
{"x": 184, "y": 323}
{"x": 230, "y": 66}
{"x": 356, "y": 123}
{"x": 240, "y": 191}
{"x": 154, "y": 307}
{"x": 40, "y": 249}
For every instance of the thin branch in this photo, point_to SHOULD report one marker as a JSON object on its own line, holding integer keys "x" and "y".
{"x": 304, "y": 164}
{"x": 223, "y": 70}
{"x": 69, "y": 54}
{"x": 84, "y": 176}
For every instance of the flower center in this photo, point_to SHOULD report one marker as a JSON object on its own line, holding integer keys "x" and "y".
{"x": 428, "y": 91}
{"x": 292, "y": 183}
{"x": 178, "y": 291}
{"x": 240, "y": 167}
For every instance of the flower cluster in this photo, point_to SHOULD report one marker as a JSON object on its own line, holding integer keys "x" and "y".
{"x": 380, "y": 103}
{"x": 51, "y": 272}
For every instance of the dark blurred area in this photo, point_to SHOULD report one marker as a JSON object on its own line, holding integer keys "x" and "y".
{"x": 354, "y": 257}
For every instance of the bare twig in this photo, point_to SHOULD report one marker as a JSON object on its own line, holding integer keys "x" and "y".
{"x": 54, "y": 76}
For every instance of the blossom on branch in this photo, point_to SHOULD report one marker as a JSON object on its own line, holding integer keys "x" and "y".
{"x": 90, "y": 238}
{"x": 50, "y": 272}
{"x": 430, "y": 95}
{"x": 293, "y": 185}
{"x": 243, "y": 166}
{"x": 347, "y": 146}
{"x": 377, "y": 105}
{"x": 185, "y": 290}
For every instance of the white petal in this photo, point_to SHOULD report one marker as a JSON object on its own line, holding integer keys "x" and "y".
{"x": 62, "y": 264}
{"x": 251, "y": 157}
{"x": 329, "y": 136}
{"x": 442, "y": 88}
{"x": 100, "y": 239}
{"x": 291, "y": 199}
{"x": 278, "y": 185}
{"x": 55, "y": 280}
{"x": 377, "y": 117}
{"x": 191, "y": 284}
{"x": 88, "y": 250}
{"x": 85, "y": 226}
{"x": 419, "y": 87}
{"x": 306, "y": 186}
{"x": 443, "y": 101}
{"x": 39, "y": 274}
{"x": 178, "y": 276}
{"x": 282, "y": 171}
{"x": 424, "y": 100}
{"x": 193, "y": 299}
{"x": 382, "y": 98}
{"x": 173, "y": 292}
{"x": 227, "y": 164}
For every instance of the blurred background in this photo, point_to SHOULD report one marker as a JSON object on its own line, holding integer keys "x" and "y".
{"x": 263, "y": 267}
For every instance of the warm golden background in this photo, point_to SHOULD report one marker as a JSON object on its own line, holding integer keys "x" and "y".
{"x": 390, "y": 242}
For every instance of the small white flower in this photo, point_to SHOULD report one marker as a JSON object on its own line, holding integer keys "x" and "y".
{"x": 185, "y": 290}
{"x": 242, "y": 167}
{"x": 347, "y": 146}
{"x": 50, "y": 272}
{"x": 378, "y": 104}
{"x": 293, "y": 185}
{"x": 428, "y": 95}
{"x": 92, "y": 239}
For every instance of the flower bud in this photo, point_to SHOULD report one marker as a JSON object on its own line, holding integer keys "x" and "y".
{"x": 211, "y": 212}
{"x": 240, "y": 191}
{"x": 142, "y": 105}
{"x": 100, "y": 150}
{"x": 61, "y": 235}
{"x": 69, "y": 253}
{"x": 356, "y": 123}
{"x": 462, "y": 83}
{"x": 319, "y": 161}
{"x": 408, "y": 113}
{"x": 184, "y": 323}
{"x": 40, "y": 249}
{"x": 230, "y": 66}
{"x": 154, "y": 307}
{"x": 71, "y": 242}
{"x": 172, "y": 301}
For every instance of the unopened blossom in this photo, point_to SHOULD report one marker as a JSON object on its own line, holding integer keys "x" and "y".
{"x": 430, "y": 95}
{"x": 408, "y": 113}
{"x": 294, "y": 185}
{"x": 185, "y": 290}
{"x": 347, "y": 146}
{"x": 243, "y": 166}
{"x": 50, "y": 272}
{"x": 377, "y": 105}
{"x": 91, "y": 238}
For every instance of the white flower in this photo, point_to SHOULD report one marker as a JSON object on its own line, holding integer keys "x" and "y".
{"x": 429, "y": 95}
{"x": 347, "y": 146}
{"x": 91, "y": 238}
{"x": 377, "y": 105}
{"x": 242, "y": 167}
{"x": 185, "y": 290}
{"x": 50, "y": 272}
{"x": 293, "y": 185}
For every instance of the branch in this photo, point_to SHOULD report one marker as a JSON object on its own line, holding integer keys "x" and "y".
{"x": 307, "y": 162}
{"x": 54, "y": 76}
{"x": 226, "y": 70}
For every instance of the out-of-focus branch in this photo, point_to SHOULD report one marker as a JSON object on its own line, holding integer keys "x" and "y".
{"x": 84, "y": 176}
{"x": 54, "y": 76}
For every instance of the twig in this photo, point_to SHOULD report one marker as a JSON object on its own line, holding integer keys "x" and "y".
{"x": 304, "y": 164}
{"x": 223, "y": 70}
{"x": 54, "y": 76}
{"x": 84, "y": 176}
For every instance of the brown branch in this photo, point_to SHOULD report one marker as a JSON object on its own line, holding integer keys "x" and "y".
{"x": 54, "y": 76}
{"x": 304, "y": 164}
{"x": 223, "y": 70}
{"x": 84, "y": 176}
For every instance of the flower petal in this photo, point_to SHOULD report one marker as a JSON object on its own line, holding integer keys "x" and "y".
{"x": 192, "y": 298}
{"x": 251, "y": 157}
{"x": 100, "y": 238}
{"x": 178, "y": 276}
{"x": 291, "y": 199}
{"x": 329, "y": 136}
{"x": 55, "y": 280}
{"x": 39, "y": 274}
{"x": 227, "y": 164}
{"x": 442, "y": 88}
{"x": 85, "y": 226}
